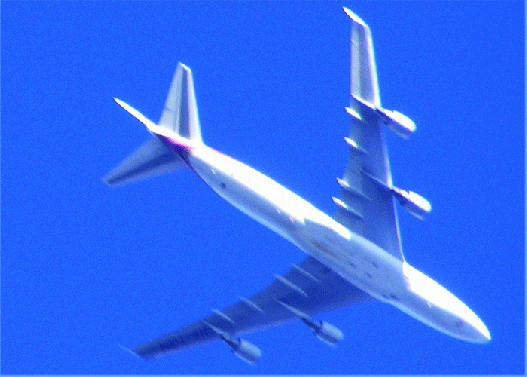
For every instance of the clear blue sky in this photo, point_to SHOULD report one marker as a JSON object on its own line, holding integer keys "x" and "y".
{"x": 86, "y": 267}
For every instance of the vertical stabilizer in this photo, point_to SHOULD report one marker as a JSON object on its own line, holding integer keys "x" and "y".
{"x": 181, "y": 112}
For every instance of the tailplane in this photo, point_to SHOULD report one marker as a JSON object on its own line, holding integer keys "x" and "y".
{"x": 180, "y": 115}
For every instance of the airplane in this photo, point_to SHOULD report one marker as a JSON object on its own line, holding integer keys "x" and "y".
{"x": 353, "y": 257}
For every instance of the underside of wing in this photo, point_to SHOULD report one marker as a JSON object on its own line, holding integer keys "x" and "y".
{"x": 306, "y": 289}
{"x": 366, "y": 204}
{"x": 363, "y": 71}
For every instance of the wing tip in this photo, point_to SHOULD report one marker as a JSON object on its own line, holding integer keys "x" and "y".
{"x": 120, "y": 103}
{"x": 184, "y": 66}
{"x": 354, "y": 17}
{"x": 129, "y": 350}
{"x": 108, "y": 181}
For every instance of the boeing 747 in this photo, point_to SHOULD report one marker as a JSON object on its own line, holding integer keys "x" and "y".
{"x": 352, "y": 257}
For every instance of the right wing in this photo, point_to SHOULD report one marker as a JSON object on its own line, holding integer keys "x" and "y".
{"x": 308, "y": 287}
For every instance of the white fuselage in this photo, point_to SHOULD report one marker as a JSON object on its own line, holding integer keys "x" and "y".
{"x": 353, "y": 257}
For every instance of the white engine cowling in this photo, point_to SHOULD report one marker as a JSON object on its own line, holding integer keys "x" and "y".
{"x": 412, "y": 202}
{"x": 397, "y": 122}
{"x": 328, "y": 333}
{"x": 246, "y": 351}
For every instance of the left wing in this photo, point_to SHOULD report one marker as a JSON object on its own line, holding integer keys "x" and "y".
{"x": 306, "y": 289}
{"x": 366, "y": 204}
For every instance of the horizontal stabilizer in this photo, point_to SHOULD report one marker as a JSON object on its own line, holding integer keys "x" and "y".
{"x": 151, "y": 158}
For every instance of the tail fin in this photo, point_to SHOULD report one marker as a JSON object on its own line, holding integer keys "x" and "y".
{"x": 180, "y": 115}
{"x": 181, "y": 111}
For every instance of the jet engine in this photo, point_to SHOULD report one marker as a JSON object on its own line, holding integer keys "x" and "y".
{"x": 327, "y": 333}
{"x": 394, "y": 120}
{"x": 324, "y": 331}
{"x": 246, "y": 351}
{"x": 412, "y": 202}
{"x": 397, "y": 122}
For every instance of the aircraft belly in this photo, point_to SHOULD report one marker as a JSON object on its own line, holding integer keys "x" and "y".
{"x": 355, "y": 259}
{"x": 261, "y": 209}
{"x": 221, "y": 174}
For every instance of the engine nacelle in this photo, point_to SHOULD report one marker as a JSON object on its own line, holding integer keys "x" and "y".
{"x": 397, "y": 122}
{"x": 412, "y": 202}
{"x": 328, "y": 333}
{"x": 246, "y": 351}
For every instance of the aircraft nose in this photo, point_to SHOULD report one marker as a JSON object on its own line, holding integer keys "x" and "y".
{"x": 484, "y": 334}
{"x": 487, "y": 336}
{"x": 479, "y": 332}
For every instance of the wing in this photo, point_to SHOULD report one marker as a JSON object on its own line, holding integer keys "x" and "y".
{"x": 308, "y": 287}
{"x": 366, "y": 204}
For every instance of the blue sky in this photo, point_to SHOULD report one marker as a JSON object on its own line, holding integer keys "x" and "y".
{"x": 86, "y": 267}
